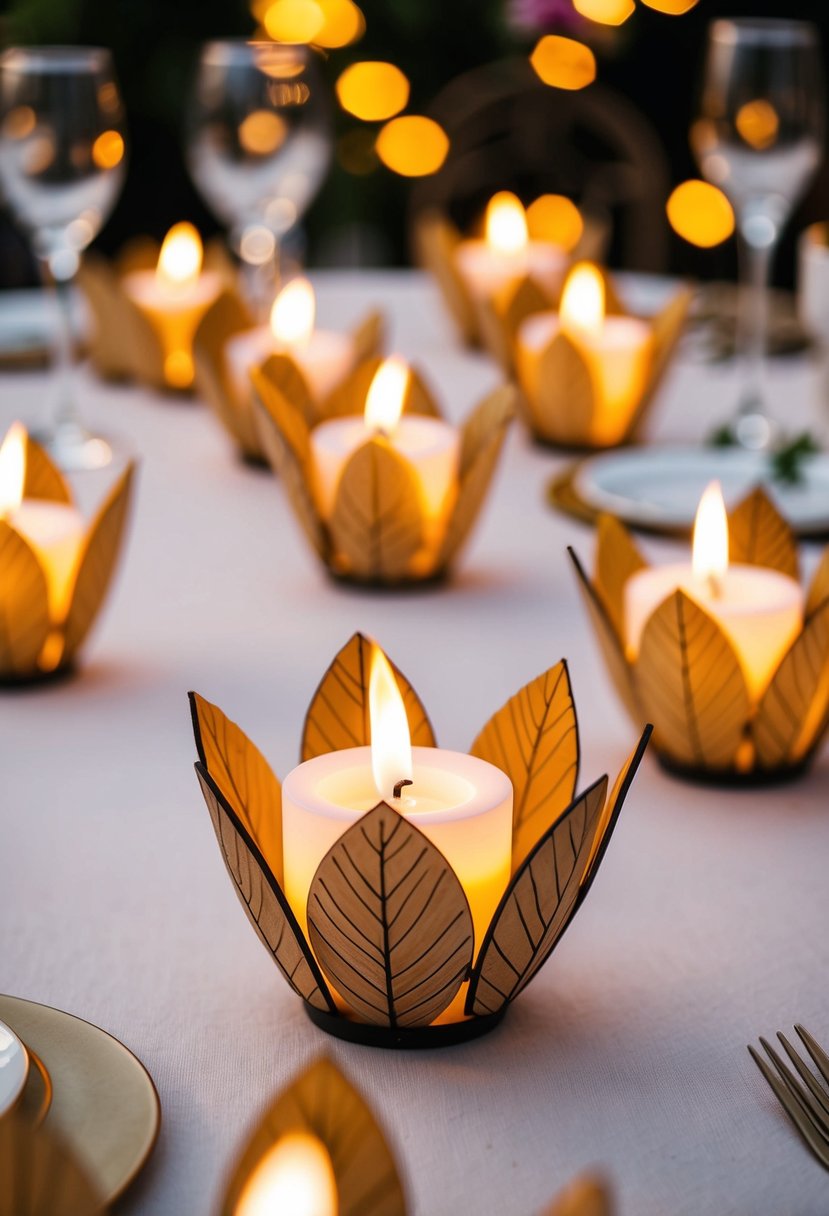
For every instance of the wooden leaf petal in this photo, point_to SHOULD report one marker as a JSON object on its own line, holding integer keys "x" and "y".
{"x": 97, "y": 564}
{"x": 377, "y": 523}
{"x": 39, "y": 1176}
{"x": 609, "y": 644}
{"x": 349, "y": 397}
{"x": 537, "y": 906}
{"x": 244, "y": 776}
{"x": 24, "y": 605}
{"x": 338, "y": 716}
{"x": 534, "y": 739}
{"x": 263, "y": 899}
{"x": 563, "y": 404}
{"x": 369, "y": 337}
{"x": 283, "y": 437}
{"x": 322, "y": 1103}
{"x": 124, "y": 342}
{"x": 612, "y": 809}
{"x": 287, "y": 378}
{"x": 793, "y": 710}
{"x": 227, "y": 316}
{"x": 482, "y": 440}
{"x": 585, "y": 1196}
{"x": 501, "y": 316}
{"x": 437, "y": 241}
{"x": 617, "y": 558}
{"x": 691, "y": 685}
{"x": 759, "y": 536}
{"x": 666, "y": 329}
{"x": 819, "y": 586}
{"x": 43, "y": 478}
{"x": 389, "y": 922}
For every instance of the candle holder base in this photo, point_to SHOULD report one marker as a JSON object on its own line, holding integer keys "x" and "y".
{"x": 34, "y": 679}
{"x": 414, "y": 1038}
{"x": 731, "y": 779}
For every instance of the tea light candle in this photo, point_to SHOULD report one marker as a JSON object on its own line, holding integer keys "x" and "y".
{"x": 617, "y": 351}
{"x": 54, "y": 530}
{"x": 760, "y": 610}
{"x": 506, "y": 253}
{"x": 462, "y": 804}
{"x": 295, "y": 1177}
{"x": 324, "y": 357}
{"x": 430, "y": 445}
{"x": 174, "y": 297}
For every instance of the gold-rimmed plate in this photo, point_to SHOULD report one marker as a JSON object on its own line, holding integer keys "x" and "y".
{"x": 104, "y": 1105}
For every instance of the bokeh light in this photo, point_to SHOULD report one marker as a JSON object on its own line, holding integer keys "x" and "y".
{"x": 343, "y": 23}
{"x": 373, "y": 91}
{"x": 262, "y": 132}
{"x": 758, "y": 124}
{"x": 413, "y": 146}
{"x": 556, "y": 219}
{"x": 700, "y": 213}
{"x": 108, "y": 150}
{"x": 605, "y": 12}
{"x": 674, "y": 8}
{"x": 294, "y": 20}
{"x": 563, "y": 63}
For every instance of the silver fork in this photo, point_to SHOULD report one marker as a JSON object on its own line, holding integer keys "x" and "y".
{"x": 805, "y": 1101}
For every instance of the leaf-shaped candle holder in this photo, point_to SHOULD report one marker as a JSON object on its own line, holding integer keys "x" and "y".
{"x": 39, "y": 1175}
{"x": 41, "y": 635}
{"x": 369, "y": 920}
{"x": 233, "y": 403}
{"x": 377, "y": 531}
{"x": 711, "y": 723}
{"x": 128, "y": 342}
{"x": 437, "y": 242}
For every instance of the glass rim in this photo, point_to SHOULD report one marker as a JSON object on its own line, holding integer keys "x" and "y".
{"x": 55, "y": 58}
{"x": 764, "y": 31}
{"x": 220, "y": 52}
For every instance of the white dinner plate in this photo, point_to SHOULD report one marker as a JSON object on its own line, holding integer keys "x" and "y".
{"x": 14, "y": 1067}
{"x": 660, "y": 488}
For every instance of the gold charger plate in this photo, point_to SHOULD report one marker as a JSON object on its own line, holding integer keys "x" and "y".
{"x": 104, "y": 1104}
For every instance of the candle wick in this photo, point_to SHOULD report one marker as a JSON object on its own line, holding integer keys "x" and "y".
{"x": 398, "y": 788}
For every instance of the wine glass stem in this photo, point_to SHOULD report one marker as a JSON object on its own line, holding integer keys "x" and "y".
{"x": 65, "y": 414}
{"x": 753, "y": 324}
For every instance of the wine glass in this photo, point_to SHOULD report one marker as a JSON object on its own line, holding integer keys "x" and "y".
{"x": 62, "y": 162}
{"x": 259, "y": 146}
{"x": 759, "y": 137}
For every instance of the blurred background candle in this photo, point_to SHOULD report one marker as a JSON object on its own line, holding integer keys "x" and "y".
{"x": 506, "y": 253}
{"x": 616, "y": 350}
{"x": 324, "y": 356}
{"x": 760, "y": 610}
{"x": 174, "y": 297}
{"x": 295, "y": 1178}
{"x": 430, "y": 445}
{"x": 54, "y": 530}
{"x": 462, "y": 804}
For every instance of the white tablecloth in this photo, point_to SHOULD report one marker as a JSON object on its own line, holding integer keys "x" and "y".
{"x": 706, "y": 927}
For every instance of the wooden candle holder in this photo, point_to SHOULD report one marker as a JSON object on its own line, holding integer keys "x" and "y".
{"x": 558, "y": 394}
{"x": 228, "y": 316}
{"x": 559, "y": 841}
{"x": 124, "y": 345}
{"x": 34, "y": 645}
{"x": 687, "y": 678}
{"x": 436, "y": 241}
{"x": 40, "y": 1175}
{"x": 377, "y": 534}
{"x": 322, "y": 1103}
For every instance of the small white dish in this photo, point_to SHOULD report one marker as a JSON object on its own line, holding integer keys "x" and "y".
{"x": 660, "y": 488}
{"x": 14, "y": 1068}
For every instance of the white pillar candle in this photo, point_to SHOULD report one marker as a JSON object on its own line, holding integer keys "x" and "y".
{"x": 325, "y": 357}
{"x": 506, "y": 253}
{"x": 430, "y": 445}
{"x": 54, "y": 530}
{"x": 174, "y": 297}
{"x": 616, "y": 349}
{"x": 759, "y": 610}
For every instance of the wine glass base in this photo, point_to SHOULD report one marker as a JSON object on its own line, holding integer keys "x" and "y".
{"x": 74, "y": 449}
{"x": 754, "y": 431}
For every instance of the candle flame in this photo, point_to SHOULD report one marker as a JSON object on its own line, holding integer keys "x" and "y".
{"x": 12, "y": 468}
{"x": 583, "y": 299}
{"x": 180, "y": 259}
{"x": 387, "y": 396}
{"x": 710, "y": 547}
{"x": 391, "y": 744}
{"x": 506, "y": 224}
{"x": 295, "y": 1177}
{"x": 293, "y": 313}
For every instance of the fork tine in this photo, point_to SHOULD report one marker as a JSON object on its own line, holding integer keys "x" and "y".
{"x": 815, "y": 1050}
{"x": 812, "y": 1111}
{"x": 806, "y": 1075}
{"x": 792, "y": 1109}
